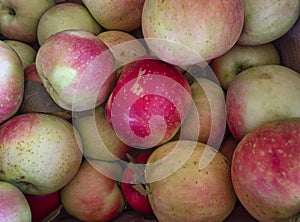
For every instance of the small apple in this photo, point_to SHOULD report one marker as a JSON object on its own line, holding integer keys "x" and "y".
{"x": 135, "y": 199}
{"x": 15, "y": 22}
{"x": 92, "y": 196}
{"x": 12, "y": 82}
{"x": 13, "y": 204}
{"x": 149, "y": 102}
{"x": 181, "y": 190}
{"x": 42, "y": 205}
{"x": 39, "y": 152}
{"x": 66, "y": 16}
{"x": 266, "y": 21}
{"x": 26, "y": 52}
{"x": 266, "y": 171}
{"x": 122, "y": 15}
{"x": 259, "y": 95}
{"x": 77, "y": 69}
{"x": 99, "y": 140}
{"x": 239, "y": 58}
{"x": 187, "y": 32}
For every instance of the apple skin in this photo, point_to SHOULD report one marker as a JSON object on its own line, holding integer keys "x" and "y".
{"x": 42, "y": 205}
{"x": 239, "y": 58}
{"x": 122, "y": 15}
{"x": 15, "y": 24}
{"x": 13, "y": 204}
{"x": 266, "y": 21}
{"x": 187, "y": 32}
{"x": 135, "y": 199}
{"x": 61, "y": 17}
{"x": 266, "y": 171}
{"x": 71, "y": 60}
{"x": 189, "y": 193}
{"x": 99, "y": 140}
{"x": 39, "y": 152}
{"x": 259, "y": 95}
{"x": 26, "y": 52}
{"x": 12, "y": 82}
{"x": 149, "y": 102}
{"x": 228, "y": 146}
{"x": 90, "y": 195}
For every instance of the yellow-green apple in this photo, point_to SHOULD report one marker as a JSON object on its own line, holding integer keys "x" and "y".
{"x": 187, "y": 32}
{"x": 92, "y": 196}
{"x": 122, "y": 15}
{"x": 259, "y": 95}
{"x": 66, "y": 16}
{"x": 149, "y": 102}
{"x": 206, "y": 121}
{"x": 42, "y": 205}
{"x": 77, "y": 69}
{"x": 39, "y": 152}
{"x": 36, "y": 98}
{"x": 124, "y": 46}
{"x": 25, "y": 51}
{"x": 19, "y": 19}
{"x": 181, "y": 191}
{"x": 267, "y": 20}
{"x": 266, "y": 171}
{"x": 239, "y": 58}
{"x": 99, "y": 141}
{"x": 11, "y": 83}
{"x": 13, "y": 204}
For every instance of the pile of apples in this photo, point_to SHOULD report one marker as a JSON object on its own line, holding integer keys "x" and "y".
{"x": 178, "y": 110}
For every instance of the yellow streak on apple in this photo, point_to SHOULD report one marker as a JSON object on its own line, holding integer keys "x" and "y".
{"x": 62, "y": 77}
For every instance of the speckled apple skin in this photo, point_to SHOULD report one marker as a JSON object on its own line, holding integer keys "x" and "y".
{"x": 266, "y": 171}
{"x": 190, "y": 194}
{"x": 38, "y": 152}
{"x": 259, "y": 95}
{"x": 11, "y": 83}
{"x": 77, "y": 69}
{"x": 187, "y": 32}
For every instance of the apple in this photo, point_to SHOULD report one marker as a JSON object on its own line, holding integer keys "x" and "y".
{"x": 188, "y": 32}
{"x": 266, "y": 171}
{"x": 15, "y": 22}
{"x": 135, "y": 199}
{"x": 149, "y": 102}
{"x": 77, "y": 69}
{"x": 98, "y": 138}
{"x": 13, "y": 204}
{"x": 92, "y": 196}
{"x": 206, "y": 120}
{"x": 180, "y": 189}
{"x": 240, "y": 57}
{"x": 124, "y": 46}
{"x": 12, "y": 82}
{"x": 26, "y": 52}
{"x": 122, "y": 15}
{"x": 42, "y": 205}
{"x": 228, "y": 146}
{"x": 36, "y": 98}
{"x": 266, "y": 21}
{"x": 61, "y": 17}
{"x": 259, "y": 95}
{"x": 39, "y": 152}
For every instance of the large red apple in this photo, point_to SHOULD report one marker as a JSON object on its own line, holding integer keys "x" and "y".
{"x": 76, "y": 68}
{"x": 149, "y": 103}
{"x": 266, "y": 171}
{"x": 186, "y": 32}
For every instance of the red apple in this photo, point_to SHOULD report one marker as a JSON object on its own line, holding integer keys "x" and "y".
{"x": 149, "y": 103}
{"x": 187, "y": 32}
{"x": 76, "y": 68}
{"x": 228, "y": 146}
{"x": 135, "y": 199}
{"x": 12, "y": 82}
{"x": 42, "y": 205}
{"x": 266, "y": 171}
